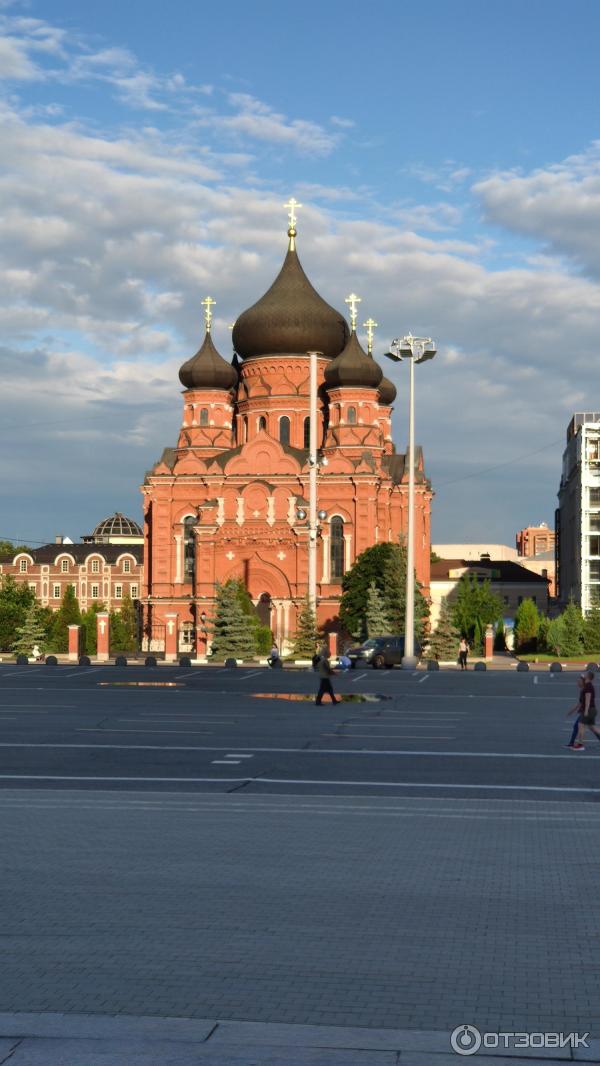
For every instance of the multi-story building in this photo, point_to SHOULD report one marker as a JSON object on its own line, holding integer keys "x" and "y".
{"x": 101, "y": 570}
{"x": 511, "y": 582}
{"x": 534, "y": 540}
{"x": 578, "y": 514}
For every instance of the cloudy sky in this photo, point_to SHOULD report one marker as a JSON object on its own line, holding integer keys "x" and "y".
{"x": 448, "y": 159}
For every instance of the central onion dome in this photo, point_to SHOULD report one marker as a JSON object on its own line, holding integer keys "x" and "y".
{"x": 387, "y": 392}
{"x": 207, "y": 369}
{"x": 290, "y": 318}
{"x": 353, "y": 368}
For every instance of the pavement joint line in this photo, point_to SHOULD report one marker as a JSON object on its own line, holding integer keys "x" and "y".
{"x": 292, "y": 751}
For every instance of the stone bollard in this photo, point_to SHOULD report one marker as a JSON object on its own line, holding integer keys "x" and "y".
{"x": 522, "y": 668}
{"x": 480, "y": 666}
{"x": 432, "y": 664}
{"x": 555, "y": 668}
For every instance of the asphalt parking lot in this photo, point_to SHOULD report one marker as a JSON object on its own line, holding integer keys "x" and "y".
{"x": 179, "y": 843}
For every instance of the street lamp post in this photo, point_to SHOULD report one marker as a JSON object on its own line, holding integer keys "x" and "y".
{"x": 417, "y": 350}
{"x": 312, "y": 483}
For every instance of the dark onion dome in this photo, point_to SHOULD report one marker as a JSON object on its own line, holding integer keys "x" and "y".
{"x": 117, "y": 525}
{"x": 353, "y": 368}
{"x": 290, "y": 318}
{"x": 207, "y": 369}
{"x": 387, "y": 392}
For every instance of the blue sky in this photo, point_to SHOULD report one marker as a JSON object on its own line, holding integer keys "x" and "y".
{"x": 448, "y": 159}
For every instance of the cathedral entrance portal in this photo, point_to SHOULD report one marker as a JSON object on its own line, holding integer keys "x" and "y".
{"x": 263, "y": 609}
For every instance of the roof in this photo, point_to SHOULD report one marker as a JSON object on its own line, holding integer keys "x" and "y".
{"x": 497, "y": 570}
{"x": 80, "y": 552}
{"x": 207, "y": 369}
{"x": 117, "y": 525}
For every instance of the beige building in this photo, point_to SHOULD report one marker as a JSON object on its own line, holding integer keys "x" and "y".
{"x": 542, "y": 564}
{"x": 510, "y": 581}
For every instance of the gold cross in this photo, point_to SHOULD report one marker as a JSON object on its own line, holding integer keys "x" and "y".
{"x": 292, "y": 204}
{"x": 370, "y": 326}
{"x": 353, "y": 300}
{"x": 208, "y": 304}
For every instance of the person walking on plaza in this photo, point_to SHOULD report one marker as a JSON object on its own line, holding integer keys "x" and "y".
{"x": 577, "y": 709}
{"x": 274, "y": 656}
{"x": 588, "y": 718}
{"x": 463, "y": 651}
{"x": 324, "y": 671}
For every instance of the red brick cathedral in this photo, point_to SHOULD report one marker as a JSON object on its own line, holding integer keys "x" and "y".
{"x": 230, "y": 500}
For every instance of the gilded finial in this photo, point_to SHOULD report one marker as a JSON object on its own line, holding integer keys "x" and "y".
{"x": 370, "y": 325}
{"x": 208, "y": 303}
{"x": 353, "y": 300}
{"x": 292, "y": 204}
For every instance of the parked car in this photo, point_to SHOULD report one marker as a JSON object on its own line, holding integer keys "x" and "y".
{"x": 379, "y": 652}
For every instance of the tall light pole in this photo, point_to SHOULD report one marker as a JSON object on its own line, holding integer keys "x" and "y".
{"x": 417, "y": 350}
{"x": 312, "y": 483}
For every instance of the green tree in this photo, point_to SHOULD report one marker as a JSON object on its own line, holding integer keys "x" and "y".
{"x": 542, "y": 639}
{"x": 474, "y": 607}
{"x": 500, "y": 637}
{"x": 527, "y": 625}
{"x": 307, "y": 633}
{"x": 15, "y": 600}
{"x": 591, "y": 632}
{"x": 89, "y": 626}
{"x": 385, "y": 565}
{"x": 33, "y": 631}
{"x": 446, "y": 637}
{"x": 124, "y": 626}
{"x": 377, "y": 620}
{"x": 68, "y": 614}
{"x": 554, "y": 635}
{"x": 232, "y": 636}
{"x": 571, "y": 630}
{"x": 8, "y": 548}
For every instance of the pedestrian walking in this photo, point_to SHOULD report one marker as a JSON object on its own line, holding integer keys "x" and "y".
{"x": 463, "y": 651}
{"x": 324, "y": 671}
{"x": 588, "y": 718}
{"x": 578, "y": 710}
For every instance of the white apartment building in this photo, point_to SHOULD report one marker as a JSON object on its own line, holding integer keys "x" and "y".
{"x": 578, "y": 514}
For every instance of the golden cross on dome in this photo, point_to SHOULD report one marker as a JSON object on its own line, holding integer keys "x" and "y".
{"x": 353, "y": 300}
{"x": 370, "y": 326}
{"x": 292, "y": 204}
{"x": 208, "y": 303}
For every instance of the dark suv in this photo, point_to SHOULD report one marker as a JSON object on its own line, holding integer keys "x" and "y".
{"x": 380, "y": 651}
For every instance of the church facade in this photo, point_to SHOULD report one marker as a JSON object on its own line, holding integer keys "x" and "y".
{"x": 231, "y": 499}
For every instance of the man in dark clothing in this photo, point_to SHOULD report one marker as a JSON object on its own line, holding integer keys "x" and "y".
{"x": 324, "y": 671}
{"x": 588, "y": 717}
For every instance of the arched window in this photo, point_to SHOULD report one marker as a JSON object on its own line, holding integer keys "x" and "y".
{"x": 189, "y": 547}
{"x": 352, "y": 416}
{"x": 307, "y": 432}
{"x": 284, "y": 430}
{"x": 204, "y": 416}
{"x": 336, "y": 548}
{"x": 245, "y": 431}
{"x": 262, "y": 422}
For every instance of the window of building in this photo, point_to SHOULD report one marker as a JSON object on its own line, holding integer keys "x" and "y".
{"x": 133, "y": 592}
{"x": 186, "y": 633}
{"x": 189, "y": 547}
{"x": 95, "y": 591}
{"x": 22, "y": 566}
{"x": 284, "y": 430}
{"x": 595, "y": 497}
{"x": 262, "y": 422}
{"x": 95, "y": 566}
{"x": 592, "y": 450}
{"x": 204, "y": 416}
{"x": 32, "y": 585}
{"x": 594, "y": 545}
{"x": 352, "y": 416}
{"x": 307, "y": 432}
{"x": 56, "y": 592}
{"x": 126, "y": 566}
{"x": 118, "y": 592}
{"x": 244, "y": 430}
{"x": 64, "y": 566}
{"x": 594, "y": 571}
{"x": 336, "y": 548}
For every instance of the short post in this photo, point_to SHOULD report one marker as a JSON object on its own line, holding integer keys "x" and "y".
{"x": 74, "y": 638}
{"x": 488, "y": 650}
{"x": 102, "y": 636}
{"x": 170, "y": 637}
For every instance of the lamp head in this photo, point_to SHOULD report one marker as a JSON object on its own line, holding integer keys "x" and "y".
{"x": 301, "y": 514}
{"x": 322, "y": 515}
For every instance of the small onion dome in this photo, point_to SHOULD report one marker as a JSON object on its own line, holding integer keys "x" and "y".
{"x": 387, "y": 392}
{"x": 290, "y": 318}
{"x": 207, "y": 369}
{"x": 353, "y": 368}
{"x": 117, "y": 525}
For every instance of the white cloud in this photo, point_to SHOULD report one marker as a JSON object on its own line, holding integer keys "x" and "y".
{"x": 256, "y": 120}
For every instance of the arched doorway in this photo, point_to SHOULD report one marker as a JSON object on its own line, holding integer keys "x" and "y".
{"x": 263, "y": 609}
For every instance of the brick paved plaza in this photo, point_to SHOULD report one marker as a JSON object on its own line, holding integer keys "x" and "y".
{"x": 195, "y": 853}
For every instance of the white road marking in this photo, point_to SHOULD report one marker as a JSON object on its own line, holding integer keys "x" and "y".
{"x": 225, "y": 762}
{"x": 424, "y": 678}
{"x": 394, "y": 736}
{"x": 162, "y": 732}
{"x": 84, "y": 671}
{"x": 359, "y": 677}
{"x": 253, "y": 674}
{"x": 535, "y": 679}
{"x": 157, "y": 780}
{"x": 293, "y": 751}
{"x": 234, "y": 755}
